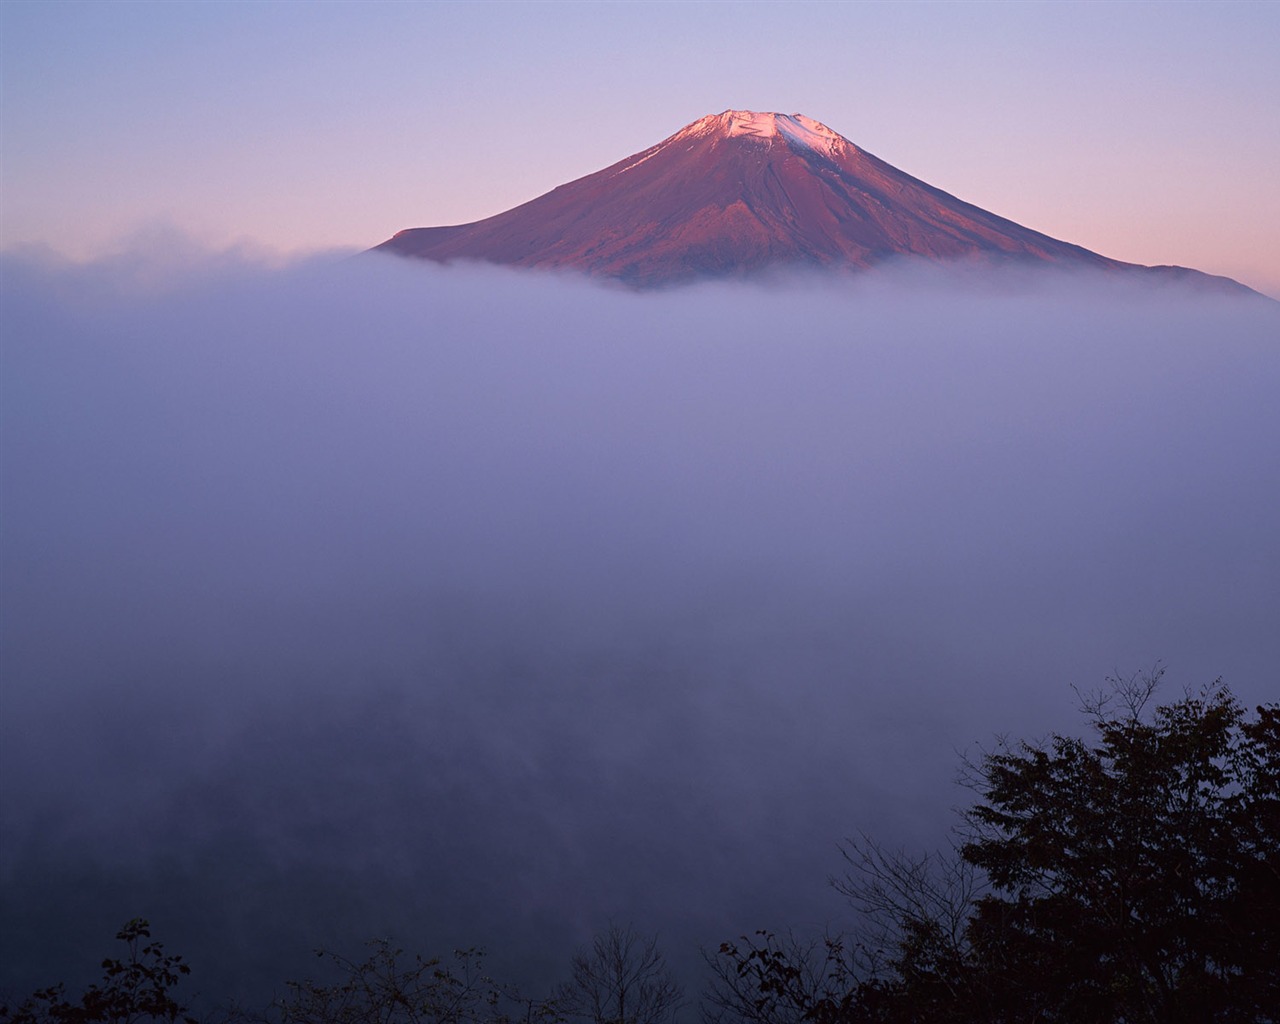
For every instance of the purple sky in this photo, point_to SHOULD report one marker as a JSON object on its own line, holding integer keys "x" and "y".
{"x": 1148, "y": 132}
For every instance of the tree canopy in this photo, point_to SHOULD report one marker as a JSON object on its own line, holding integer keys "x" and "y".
{"x": 1133, "y": 877}
{"x": 1137, "y": 878}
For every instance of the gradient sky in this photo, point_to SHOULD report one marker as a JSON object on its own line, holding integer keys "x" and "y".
{"x": 1146, "y": 131}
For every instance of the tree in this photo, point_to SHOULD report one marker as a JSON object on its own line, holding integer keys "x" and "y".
{"x": 1132, "y": 879}
{"x": 781, "y": 979}
{"x": 1138, "y": 878}
{"x": 392, "y": 987}
{"x": 913, "y": 942}
{"x": 134, "y": 990}
{"x": 622, "y": 979}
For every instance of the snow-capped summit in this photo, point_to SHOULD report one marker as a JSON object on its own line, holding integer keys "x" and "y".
{"x": 793, "y": 128}
{"x": 741, "y": 192}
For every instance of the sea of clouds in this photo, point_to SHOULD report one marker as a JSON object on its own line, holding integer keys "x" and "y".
{"x": 358, "y": 597}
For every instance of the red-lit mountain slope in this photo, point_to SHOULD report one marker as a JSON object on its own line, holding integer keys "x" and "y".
{"x": 741, "y": 192}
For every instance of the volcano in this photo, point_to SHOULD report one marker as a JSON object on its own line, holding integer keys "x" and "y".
{"x": 743, "y": 193}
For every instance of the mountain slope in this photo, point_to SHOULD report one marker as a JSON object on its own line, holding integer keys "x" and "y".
{"x": 742, "y": 192}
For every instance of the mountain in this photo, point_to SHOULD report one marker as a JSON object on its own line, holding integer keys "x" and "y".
{"x": 743, "y": 192}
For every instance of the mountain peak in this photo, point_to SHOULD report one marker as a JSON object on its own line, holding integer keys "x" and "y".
{"x": 744, "y": 192}
{"x": 794, "y": 128}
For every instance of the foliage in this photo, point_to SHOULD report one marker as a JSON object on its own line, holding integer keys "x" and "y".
{"x": 1135, "y": 878}
{"x": 772, "y": 979}
{"x": 134, "y": 990}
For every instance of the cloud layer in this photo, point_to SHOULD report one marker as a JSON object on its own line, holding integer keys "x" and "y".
{"x": 359, "y": 596}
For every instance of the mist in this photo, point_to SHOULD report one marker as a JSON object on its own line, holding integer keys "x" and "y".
{"x": 359, "y": 597}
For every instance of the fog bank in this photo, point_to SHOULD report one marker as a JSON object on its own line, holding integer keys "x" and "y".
{"x": 362, "y": 596}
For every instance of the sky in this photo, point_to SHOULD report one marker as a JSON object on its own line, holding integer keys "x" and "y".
{"x": 1145, "y": 131}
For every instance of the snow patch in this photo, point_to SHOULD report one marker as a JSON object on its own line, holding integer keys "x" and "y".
{"x": 641, "y": 159}
{"x": 796, "y": 128}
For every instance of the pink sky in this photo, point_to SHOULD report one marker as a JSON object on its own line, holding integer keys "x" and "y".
{"x": 1147, "y": 132}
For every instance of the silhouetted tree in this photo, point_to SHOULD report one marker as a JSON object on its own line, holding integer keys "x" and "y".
{"x": 390, "y": 986}
{"x": 1138, "y": 878}
{"x": 914, "y": 946}
{"x": 622, "y": 979}
{"x": 134, "y": 990}
{"x": 1132, "y": 879}
{"x": 781, "y": 979}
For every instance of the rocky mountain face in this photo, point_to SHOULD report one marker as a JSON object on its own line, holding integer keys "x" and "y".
{"x": 741, "y": 193}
